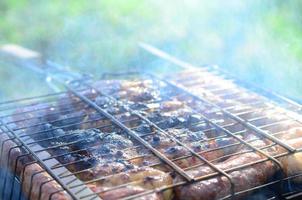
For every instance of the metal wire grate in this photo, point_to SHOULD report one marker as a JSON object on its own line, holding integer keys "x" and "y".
{"x": 40, "y": 136}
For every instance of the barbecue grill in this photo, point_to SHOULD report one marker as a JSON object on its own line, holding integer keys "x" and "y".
{"x": 198, "y": 133}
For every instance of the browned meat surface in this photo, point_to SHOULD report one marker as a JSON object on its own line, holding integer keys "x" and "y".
{"x": 248, "y": 177}
{"x": 145, "y": 178}
{"x": 208, "y": 148}
{"x": 39, "y": 178}
{"x": 125, "y": 192}
{"x": 102, "y": 151}
{"x": 219, "y": 186}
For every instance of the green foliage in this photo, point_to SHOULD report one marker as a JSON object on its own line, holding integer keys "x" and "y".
{"x": 256, "y": 40}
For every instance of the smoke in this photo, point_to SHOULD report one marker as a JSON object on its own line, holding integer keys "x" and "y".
{"x": 6, "y": 190}
{"x": 256, "y": 40}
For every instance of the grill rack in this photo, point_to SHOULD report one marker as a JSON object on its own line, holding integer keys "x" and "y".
{"x": 16, "y": 137}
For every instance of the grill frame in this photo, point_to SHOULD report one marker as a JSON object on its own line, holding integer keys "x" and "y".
{"x": 87, "y": 101}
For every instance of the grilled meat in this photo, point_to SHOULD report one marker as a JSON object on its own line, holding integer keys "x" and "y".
{"x": 125, "y": 192}
{"x": 50, "y": 189}
{"x": 248, "y": 177}
{"x": 220, "y": 186}
{"x": 102, "y": 151}
{"x": 292, "y": 164}
{"x": 146, "y": 178}
{"x": 25, "y": 166}
{"x": 210, "y": 149}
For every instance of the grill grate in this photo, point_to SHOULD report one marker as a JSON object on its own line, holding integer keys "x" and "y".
{"x": 225, "y": 112}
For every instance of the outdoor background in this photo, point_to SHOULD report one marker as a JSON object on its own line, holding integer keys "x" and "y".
{"x": 260, "y": 41}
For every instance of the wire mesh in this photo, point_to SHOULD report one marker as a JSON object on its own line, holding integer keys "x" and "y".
{"x": 145, "y": 137}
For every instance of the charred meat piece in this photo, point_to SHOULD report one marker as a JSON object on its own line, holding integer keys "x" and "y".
{"x": 117, "y": 148}
{"x": 144, "y": 128}
{"x": 169, "y": 122}
{"x": 186, "y": 135}
{"x": 211, "y": 149}
{"x": 105, "y": 168}
{"x": 83, "y": 139}
{"x": 94, "y": 148}
{"x": 171, "y": 150}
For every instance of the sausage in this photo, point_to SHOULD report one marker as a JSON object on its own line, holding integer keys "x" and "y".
{"x": 246, "y": 178}
{"x": 31, "y": 169}
{"x": 220, "y": 186}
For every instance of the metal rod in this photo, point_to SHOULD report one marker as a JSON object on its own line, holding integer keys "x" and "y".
{"x": 49, "y": 171}
{"x": 163, "y": 55}
{"x": 131, "y": 133}
{"x": 229, "y": 114}
{"x": 178, "y": 142}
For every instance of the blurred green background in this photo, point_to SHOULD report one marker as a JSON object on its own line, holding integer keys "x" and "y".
{"x": 256, "y": 40}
